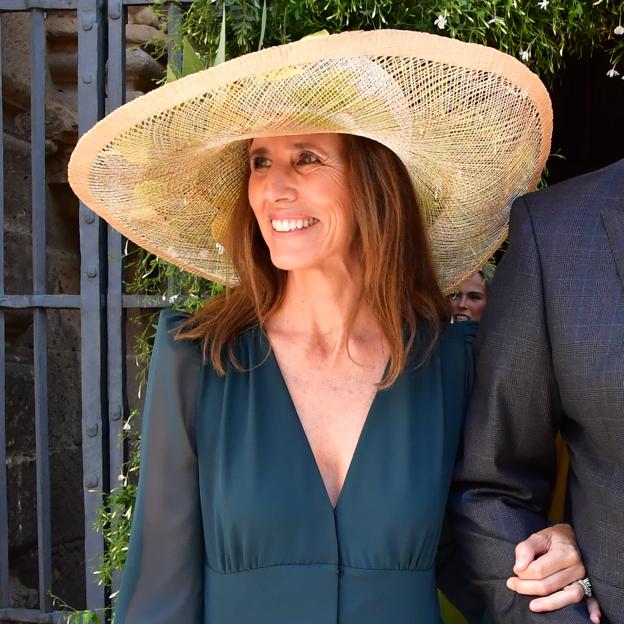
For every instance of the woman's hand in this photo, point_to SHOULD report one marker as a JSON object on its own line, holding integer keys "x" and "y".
{"x": 549, "y": 564}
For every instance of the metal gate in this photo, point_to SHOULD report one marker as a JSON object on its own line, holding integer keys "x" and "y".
{"x": 101, "y": 301}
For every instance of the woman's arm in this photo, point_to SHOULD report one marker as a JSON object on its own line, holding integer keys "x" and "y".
{"x": 163, "y": 576}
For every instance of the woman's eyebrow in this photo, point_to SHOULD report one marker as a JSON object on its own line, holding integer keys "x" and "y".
{"x": 308, "y": 146}
{"x": 258, "y": 151}
{"x": 263, "y": 151}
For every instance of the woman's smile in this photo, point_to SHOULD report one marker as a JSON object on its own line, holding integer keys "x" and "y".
{"x": 289, "y": 225}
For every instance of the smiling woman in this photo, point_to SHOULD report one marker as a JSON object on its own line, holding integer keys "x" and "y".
{"x": 300, "y": 431}
{"x": 469, "y": 300}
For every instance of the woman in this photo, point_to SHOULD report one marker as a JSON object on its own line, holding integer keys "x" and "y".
{"x": 299, "y": 433}
{"x": 468, "y": 301}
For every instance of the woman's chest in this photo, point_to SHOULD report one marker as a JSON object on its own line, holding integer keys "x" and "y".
{"x": 332, "y": 401}
{"x": 264, "y": 500}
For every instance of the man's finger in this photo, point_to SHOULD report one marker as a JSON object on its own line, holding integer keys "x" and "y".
{"x": 571, "y": 594}
{"x": 553, "y": 561}
{"x": 529, "y": 549}
{"x": 547, "y": 585}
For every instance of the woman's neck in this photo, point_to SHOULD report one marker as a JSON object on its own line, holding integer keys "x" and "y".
{"x": 325, "y": 309}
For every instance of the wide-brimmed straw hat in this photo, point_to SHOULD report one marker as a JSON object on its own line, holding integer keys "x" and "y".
{"x": 471, "y": 124}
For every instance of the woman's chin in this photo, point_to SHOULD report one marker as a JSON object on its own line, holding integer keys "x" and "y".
{"x": 291, "y": 262}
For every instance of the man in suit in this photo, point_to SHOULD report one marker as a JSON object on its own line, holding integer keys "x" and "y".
{"x": 550, "y": 358}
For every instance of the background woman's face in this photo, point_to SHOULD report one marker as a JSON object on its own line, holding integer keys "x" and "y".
{"x": 469, "y": 300}
{"x": 298, "y": 190}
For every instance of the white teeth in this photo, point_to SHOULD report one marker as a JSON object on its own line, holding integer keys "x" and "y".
{"x": 288, "y": 225}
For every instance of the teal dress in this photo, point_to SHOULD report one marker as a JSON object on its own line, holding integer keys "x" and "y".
{"x": 233, "y": 524}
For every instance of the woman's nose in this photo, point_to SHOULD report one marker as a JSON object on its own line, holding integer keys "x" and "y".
{"x": 280, "y": 185}
{"x": 463, "y": 301}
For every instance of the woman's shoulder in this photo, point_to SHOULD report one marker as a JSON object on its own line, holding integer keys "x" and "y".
{"x": 249, "y": 348}
{"x": 457, "y": 355}
{"x": 168, "y": 345}
{"x": 456, "y": 342}
{"x": 464, "y": 332}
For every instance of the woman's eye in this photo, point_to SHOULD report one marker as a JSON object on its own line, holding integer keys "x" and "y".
{"x": 259, "y": 162}
{"x": 307, "y": 158}
{"x": 475, "y": 296}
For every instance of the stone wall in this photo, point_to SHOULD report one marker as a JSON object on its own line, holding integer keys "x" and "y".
{"x": 63, "y": 265}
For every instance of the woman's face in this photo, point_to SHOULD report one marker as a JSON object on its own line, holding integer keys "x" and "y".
{"x": 468, "y": 301}
{"x": 298, "y": 191}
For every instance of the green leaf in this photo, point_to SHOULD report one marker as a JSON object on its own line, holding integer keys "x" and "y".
{"x": 171, "y": 74}
{"x": 220, "y": 57}
{"x": 191, "y": 61}
{"x": 318, "y": 33}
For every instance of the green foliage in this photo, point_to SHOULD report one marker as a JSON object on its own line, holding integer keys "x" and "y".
{"x": 72, "y": 616}
{"x": 115, "y": 518}
{"x": 540, "y": 33}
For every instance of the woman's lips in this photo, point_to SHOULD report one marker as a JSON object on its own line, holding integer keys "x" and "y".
{"x": 293, "y": 225}
{"x": 460, "y": 317}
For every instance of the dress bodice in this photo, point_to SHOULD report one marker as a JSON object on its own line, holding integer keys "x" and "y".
{"x": 244, "y": 496}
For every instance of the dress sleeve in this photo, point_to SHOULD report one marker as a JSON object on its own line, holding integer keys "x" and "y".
{"x": 163, "y": 576}
{"x": 453, "y": 577}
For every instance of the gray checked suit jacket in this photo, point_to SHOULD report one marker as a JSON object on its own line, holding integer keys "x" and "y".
{"x": 550, "y": 357}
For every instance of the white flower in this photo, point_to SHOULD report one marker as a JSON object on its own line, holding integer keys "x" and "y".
{"x": 173, "y": 298}
{"x": 597, "y": 2}
{"x": 440, "y": 22}
{"x": 619, "y": 29}
{"x": 120, "y": 477}
{"x": 543, "y": 4}
{"x": 525, "y": 55}
{"x": 612, "y": 73}
{"x": 127, "y": 426}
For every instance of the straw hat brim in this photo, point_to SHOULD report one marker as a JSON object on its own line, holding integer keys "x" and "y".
{"x": 471, "y": 124}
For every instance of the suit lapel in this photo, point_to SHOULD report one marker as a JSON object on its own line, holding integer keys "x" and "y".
{"x": 614, "y": 224}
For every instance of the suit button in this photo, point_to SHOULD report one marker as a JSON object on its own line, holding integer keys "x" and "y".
{"x": 340, "y": 571}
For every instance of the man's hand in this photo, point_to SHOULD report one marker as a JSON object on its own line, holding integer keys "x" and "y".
{"x": 549, "y": 564}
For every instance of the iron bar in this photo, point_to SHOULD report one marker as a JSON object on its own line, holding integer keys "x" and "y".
{"x": 16, "y": 302}
{"x": 115, "y": 314}
{"x": 31, "y": 616}
{"x": 8, "y": 6}
{"x": 91, "y": 62}
{"x": 4, "y": 500}
{"x": 40, "y": 328}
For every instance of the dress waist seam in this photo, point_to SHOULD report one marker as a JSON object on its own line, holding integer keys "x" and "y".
{"x": 320, "y": 564}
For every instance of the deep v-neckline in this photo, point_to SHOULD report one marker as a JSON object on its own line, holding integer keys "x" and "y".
{"x": 309, "y": 452}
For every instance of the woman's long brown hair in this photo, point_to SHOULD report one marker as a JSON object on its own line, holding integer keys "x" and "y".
{"x": 399, "y": 282}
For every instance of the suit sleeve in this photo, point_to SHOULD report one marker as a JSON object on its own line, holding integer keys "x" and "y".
{"x": 162, "y": 580}
{"x": 507, "y": 461}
